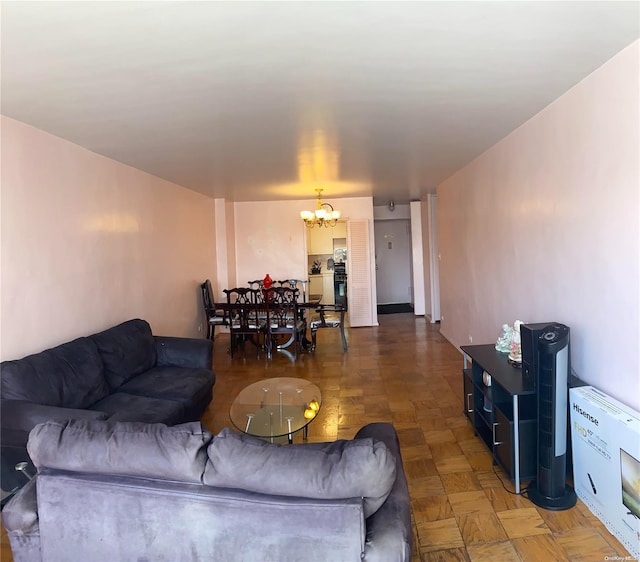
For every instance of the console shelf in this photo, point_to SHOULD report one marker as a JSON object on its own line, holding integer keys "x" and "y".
{"x": 504, "y": 414}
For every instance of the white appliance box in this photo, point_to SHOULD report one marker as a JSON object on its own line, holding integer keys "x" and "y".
{"x": 605, "y": 440}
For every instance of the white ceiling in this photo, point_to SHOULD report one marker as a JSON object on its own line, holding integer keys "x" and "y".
{"x": 270, "y": 100}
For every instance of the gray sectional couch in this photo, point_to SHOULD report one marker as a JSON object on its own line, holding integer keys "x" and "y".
{"x": 179, "y": 494}
{"x": 124, "y": 373}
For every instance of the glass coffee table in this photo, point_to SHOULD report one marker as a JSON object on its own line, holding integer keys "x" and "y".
{"x": 276, "y": 407}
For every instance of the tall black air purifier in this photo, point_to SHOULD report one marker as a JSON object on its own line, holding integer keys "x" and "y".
{"x": 550, "y": 490}
{"x": 529, "y": 334}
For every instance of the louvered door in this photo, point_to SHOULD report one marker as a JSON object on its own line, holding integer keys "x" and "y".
{"x": 359, "y": 281}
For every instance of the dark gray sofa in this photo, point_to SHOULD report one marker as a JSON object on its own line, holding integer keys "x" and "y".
{"x": 124, "y": 373}
{"x": 178, "y": 493}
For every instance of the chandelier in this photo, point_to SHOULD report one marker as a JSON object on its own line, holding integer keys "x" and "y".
{"x": 324, "y": 215}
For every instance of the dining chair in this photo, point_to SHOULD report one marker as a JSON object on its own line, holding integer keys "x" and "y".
{"x": 283, "y": 319}
{"x": 329, "y": 316}
{"x": 245, "y": 314}
{"x": 300, "y": 284}
{"x": 215, "y": 316}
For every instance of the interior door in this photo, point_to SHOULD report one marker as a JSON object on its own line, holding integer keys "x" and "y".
{"x": 393, "y": 261}
{"x": 359, "y": 273}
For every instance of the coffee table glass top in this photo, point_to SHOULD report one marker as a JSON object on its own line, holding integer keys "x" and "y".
{"x": 276, "y": 407}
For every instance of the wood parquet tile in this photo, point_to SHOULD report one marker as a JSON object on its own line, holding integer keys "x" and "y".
{"x": 474, "y": 501}
{"x": 585, "y": 545}
{"x": 432, "y": 508}
{"x": 442, "y": 451}
{"x": 480, "y": 528}
{"x": 405, "y": 372}
{"x": 441, "y": 534}
{"x": 460, "y": 482}
{"x": 480, "y": 462}
{"x": 426, "y": 487}
{"x": 541, "y": 547}
{"x": 457, "y": 463}
{"x": 501, "y": 500}
{"x": 523, "y": 522}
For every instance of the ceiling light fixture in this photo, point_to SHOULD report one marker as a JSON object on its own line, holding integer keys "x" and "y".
{"x": 324, "y": 215}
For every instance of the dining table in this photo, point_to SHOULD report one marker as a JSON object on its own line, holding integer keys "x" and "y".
{"x": 310, "y": 304}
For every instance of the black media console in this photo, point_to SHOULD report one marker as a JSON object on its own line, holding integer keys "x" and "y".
{"x": 504, "y": 414}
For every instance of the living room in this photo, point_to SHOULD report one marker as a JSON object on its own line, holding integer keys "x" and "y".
{"x": 550, "y": 212}
{"x": 541, "y": 225}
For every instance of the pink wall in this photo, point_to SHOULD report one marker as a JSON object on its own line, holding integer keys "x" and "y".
{"x": 544, "y": 227}
{"x": 88, "y": 242}
{"x": 270, "y": 236}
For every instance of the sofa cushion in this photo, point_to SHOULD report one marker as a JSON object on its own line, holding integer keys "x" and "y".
{"x": 121, "y": 406}
{"x": 127, "y": 350}
{"x": 123, "y": 448}
{"x": 338, "y": 470}
{"x": 69, "y": 375}
{"x": 188, "y": 386}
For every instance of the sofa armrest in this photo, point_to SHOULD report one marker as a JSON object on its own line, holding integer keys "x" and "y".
{"x": 389, "y": 532}
{"x": 184, "y": 352}
{"x": 20, "y": 515}
{"x": 19, "y": 417}
{"x": 20, "y": 519}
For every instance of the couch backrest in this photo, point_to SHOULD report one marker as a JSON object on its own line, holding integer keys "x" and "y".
{"x": 146, "y": 450}
{"x": 69, "y": 375}
{"x": 127, "y": 350}
{"x": 105, "y": 518}
{"x": 343, "y": 469}
{"x": 100, "y": 464}
{"x": 358, "y": 468}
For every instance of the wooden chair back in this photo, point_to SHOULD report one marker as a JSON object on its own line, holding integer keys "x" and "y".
{"x": 247, "y": 317}
{"x": 300, "y": 284}
{"x": 213, "y": 315}
{"x": 281, "y": 295}
{"x": 243, "y": 295}
{"x": 282, "y": 317}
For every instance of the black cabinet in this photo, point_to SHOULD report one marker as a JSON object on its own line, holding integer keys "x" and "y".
{"x": 502, "y": 414}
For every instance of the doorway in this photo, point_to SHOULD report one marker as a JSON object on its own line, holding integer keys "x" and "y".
{"x": 393, "y": 265}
